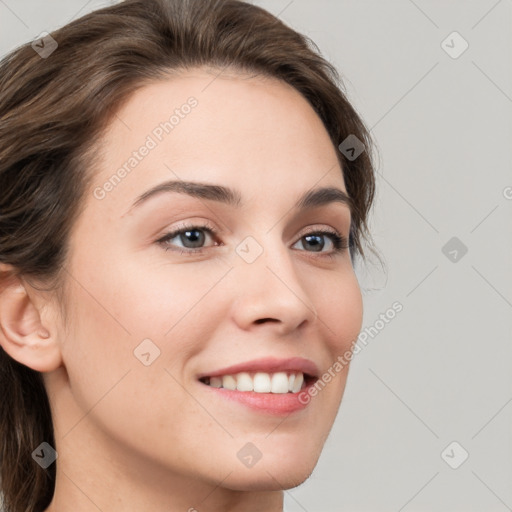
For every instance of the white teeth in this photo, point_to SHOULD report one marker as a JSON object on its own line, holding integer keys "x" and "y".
{"x": 229, "y": 382}
{"x": 279, "y": 383}
{"x": 297, "y": 384}
{"x": 260, "y": 382}
{"x": 243, "y": 382}
{"x": 291, "y": 380}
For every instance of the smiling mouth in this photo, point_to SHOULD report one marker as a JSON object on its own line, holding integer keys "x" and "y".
{"x": 261, "y": 382}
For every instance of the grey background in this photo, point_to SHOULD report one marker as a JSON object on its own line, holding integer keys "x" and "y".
{"x": 440, "y": 370}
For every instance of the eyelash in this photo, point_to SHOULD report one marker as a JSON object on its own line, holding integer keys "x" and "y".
{"x": 339, "y": 241}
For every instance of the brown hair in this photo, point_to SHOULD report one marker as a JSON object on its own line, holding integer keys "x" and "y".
{"x": 53, "y": 111}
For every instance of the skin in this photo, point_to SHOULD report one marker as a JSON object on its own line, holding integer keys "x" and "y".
{"x": 143, "y": 438}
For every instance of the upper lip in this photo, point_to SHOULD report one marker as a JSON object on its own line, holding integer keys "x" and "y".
{"x": 268, "y": 365}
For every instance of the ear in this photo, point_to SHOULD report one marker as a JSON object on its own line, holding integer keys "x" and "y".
{"x": 22, "y": 333}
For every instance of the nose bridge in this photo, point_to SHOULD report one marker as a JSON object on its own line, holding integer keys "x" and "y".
{"x": 269, "y": 286}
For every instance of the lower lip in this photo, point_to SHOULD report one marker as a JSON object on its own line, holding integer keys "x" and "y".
{"x": 270, "y": 403}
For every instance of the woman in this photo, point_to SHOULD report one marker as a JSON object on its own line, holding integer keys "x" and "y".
{"x": 185, "y": 193}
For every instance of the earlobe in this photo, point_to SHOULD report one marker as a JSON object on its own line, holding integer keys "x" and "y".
{"x": 22, "y": 334}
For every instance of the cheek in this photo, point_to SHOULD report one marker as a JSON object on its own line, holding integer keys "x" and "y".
{"x": 338, "y": 300}
{"x": 109, "y": 319}
{"x": 175, "y": 305}
{"x": 131, "y": 314}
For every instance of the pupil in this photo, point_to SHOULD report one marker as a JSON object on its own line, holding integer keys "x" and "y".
{"x": 195, "y": 239}
{"x": 317, "y": 247}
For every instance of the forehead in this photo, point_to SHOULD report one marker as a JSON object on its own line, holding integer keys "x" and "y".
{"x": 252, "y": 132}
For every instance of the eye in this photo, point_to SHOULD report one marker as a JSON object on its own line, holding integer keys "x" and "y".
{"x": 315, "y": 240}
{"x": 192, "y": 239}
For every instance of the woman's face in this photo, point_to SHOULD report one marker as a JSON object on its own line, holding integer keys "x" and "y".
{"x": 147, "y": 321}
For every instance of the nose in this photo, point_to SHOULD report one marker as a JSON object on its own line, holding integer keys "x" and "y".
{"x": 270, "y": 291}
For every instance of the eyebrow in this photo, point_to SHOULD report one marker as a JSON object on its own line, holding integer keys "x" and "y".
{"x": 232, "y": 197}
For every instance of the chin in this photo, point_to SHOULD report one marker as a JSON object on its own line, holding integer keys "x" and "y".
{"x": 274, "y": 475}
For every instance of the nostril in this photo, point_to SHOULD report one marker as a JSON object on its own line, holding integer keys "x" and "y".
{"x": 261, "y": 320}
